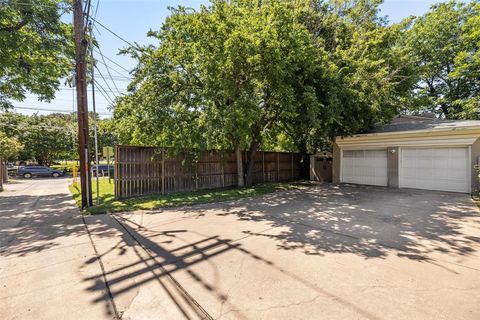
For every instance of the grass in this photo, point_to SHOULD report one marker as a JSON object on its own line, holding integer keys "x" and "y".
{"x": 109, "y": 204}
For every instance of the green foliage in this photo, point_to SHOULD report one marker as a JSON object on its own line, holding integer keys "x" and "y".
{"x": 446, "y": 44}
{"x": 369, "y": 73}
{"x": 272, "y": 75}
{"x": 46, "y": 138}
{"x": 36, "y": 48}
{"x": 9, "y": 147}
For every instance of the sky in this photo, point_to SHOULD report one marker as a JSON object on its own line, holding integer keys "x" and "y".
{"x": 131, "y": 20}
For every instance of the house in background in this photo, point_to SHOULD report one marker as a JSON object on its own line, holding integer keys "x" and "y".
{"x": 412, "y": 152}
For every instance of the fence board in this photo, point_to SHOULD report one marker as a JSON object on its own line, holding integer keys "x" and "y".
{"x": 141, "y": 171}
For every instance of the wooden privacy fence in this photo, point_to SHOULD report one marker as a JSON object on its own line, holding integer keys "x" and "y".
{"x": 141, "y": 171}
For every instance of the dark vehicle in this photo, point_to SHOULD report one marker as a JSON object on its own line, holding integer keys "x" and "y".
{"x": 38, "y": 171}
{"x": 102, "y": 170}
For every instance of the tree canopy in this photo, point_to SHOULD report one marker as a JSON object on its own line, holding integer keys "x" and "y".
{"x": 36, "y": 49}
{"x": 48, "y": 138}
{"x": 237, "y": 74}
{"x": 446, "y": 42}
{"x": 9, "y": 147}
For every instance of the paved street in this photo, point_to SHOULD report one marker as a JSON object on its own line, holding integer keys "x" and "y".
{"x": 325, "y": 252}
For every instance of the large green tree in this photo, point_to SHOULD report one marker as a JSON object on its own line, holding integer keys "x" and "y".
{"x": 220, "y": 77}
{"x": 372, "y": 74}
{"x": 35, "y": 49}
{"x": 240, "y": 74}
{"x": 446, "y": 43}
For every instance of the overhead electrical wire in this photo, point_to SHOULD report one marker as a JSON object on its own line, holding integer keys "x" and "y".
{"x": 106, "y": 82}
{"x": 120, "y": 74}
{"x": 112, "y": 32}
{"x": 55, "y": 110}
{"x": 108, "y": 71}
{"x": 124, "y": 90}
{"x": 114, "y": 62}
{"x": 103, "y": 93}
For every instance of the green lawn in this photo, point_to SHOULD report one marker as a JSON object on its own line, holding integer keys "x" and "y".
{"x": 109, "y": 204}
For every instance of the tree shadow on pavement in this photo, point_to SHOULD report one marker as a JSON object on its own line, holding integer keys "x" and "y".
{"x": 367, "y": 221}
{"x": 31, "y": 224}
{"x": 162, "y": 264}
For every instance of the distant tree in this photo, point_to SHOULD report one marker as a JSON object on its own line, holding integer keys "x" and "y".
{"x": 9, "y": 147}
{"x": 36, "y": 49}
{"x": 446, "y": 43}
{"x": 106, "y": 135}
{"x": 45, "y": 138}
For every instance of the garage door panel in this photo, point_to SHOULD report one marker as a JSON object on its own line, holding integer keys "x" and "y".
{"x": 365, "y": 167}
{"x": 444, "y": 169}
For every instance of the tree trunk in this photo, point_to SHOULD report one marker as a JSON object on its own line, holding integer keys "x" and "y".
{"x": 305, "y": 162}
{"x": 238, "y": 155}
{"x": 1, "y": 175}
{"x": 251, "y": 163}
{"x": 5, "y": 171}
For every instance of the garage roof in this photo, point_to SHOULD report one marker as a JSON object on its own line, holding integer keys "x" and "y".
{"x": 411, "y": 123}
{"x": 407, "y": 131}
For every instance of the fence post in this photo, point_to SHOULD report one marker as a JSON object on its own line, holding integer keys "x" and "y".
{"x": 196, "y": 177}
{"x": 163, "y": 171}
{"x": 278, "y": 166}
{"x": 263, "y": 165}
{"x": 222, "y": 164}
{"x": 115, "y": 173}
{"x": 292, "y": 166}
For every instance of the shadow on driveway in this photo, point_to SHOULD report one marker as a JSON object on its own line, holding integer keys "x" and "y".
{"x": 367, "y": 222}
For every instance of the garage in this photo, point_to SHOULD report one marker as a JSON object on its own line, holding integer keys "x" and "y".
{"x": 365, "y": 167}
{"x": 444, "y": 169}
{"x": 412, "y": 151}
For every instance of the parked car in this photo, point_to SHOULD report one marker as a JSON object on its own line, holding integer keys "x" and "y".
{"x": 102, "y": 170}
{"x": 38, "y": 171}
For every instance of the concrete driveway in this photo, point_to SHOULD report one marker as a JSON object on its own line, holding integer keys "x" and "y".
{"x": 44, "y": 247}
{"x": 325, "y": 252}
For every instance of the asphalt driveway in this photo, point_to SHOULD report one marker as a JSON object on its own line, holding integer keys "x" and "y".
{"x": 325, "y": 252}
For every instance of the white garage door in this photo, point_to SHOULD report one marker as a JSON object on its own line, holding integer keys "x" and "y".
{"x": 444, "y": 169}
{"x": 365, "y": 167}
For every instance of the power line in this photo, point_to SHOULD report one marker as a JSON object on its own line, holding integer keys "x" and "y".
{"x": 124, "y": 90}
{"x": 112, "y": 61}
{"x": 44, "y": 104}
{"x": 96, "y": 9}
{"x": 108, "y": 71}
{"x": 112, "y": 32}
{"x": 103, "y": 93}
{"x": 55, "y": 110}
{"x": 119, "y": 73}
{"x": 111, "y": 91}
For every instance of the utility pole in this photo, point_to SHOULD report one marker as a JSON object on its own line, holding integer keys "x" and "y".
{"x": 81, "y": 85}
